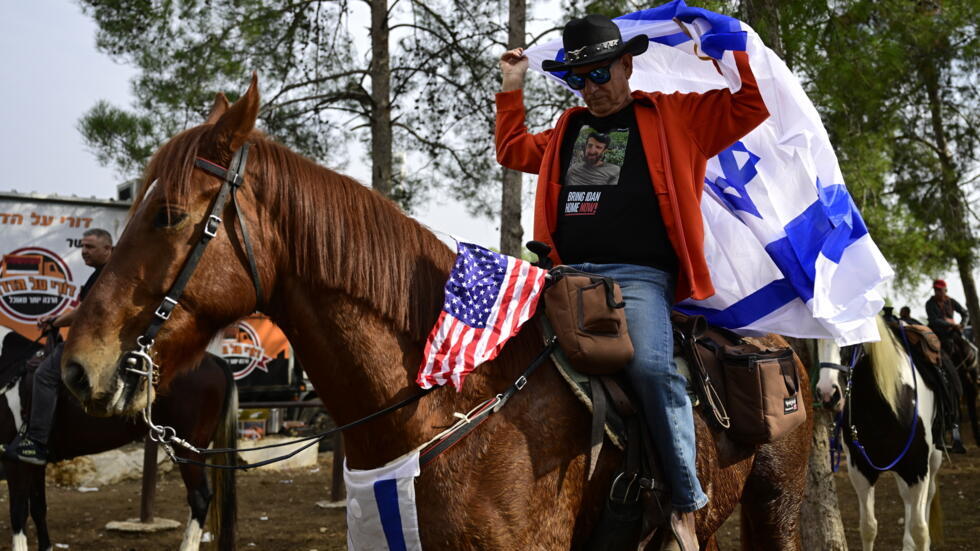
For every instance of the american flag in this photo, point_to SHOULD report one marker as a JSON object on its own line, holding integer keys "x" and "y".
{"x": 488, "y": 297}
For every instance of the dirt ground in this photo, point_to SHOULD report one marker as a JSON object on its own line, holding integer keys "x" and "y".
{"x": 277, "y": 511}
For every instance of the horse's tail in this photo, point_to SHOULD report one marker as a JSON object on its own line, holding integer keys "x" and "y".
{"x": 224, "y": 504}
{"x": 936, "y": 534}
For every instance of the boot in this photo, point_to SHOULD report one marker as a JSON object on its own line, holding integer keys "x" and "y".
{"x": 682, "y": 535}
{"x": 22, "y": 448}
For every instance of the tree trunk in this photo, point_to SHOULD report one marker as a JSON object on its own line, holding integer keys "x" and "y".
{"x": 511, "y": 232}
{"x": 820, "y": 521}
{"x": 965, "y": 266}
{"x": 381, "y": 158}
{"x": 956, "y": 225}
{"x": 763, "y": 15}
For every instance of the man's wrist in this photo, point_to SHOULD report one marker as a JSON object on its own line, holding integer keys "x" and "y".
{"x": 511, "y": 83}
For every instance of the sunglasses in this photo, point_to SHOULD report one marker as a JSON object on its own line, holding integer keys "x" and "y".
{"x": 599, "y": 75}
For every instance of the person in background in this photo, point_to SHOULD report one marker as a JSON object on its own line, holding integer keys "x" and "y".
{"x": 941, "y": 309}
{"x": 31, "y": 444}
{"x": 905, "y": 314}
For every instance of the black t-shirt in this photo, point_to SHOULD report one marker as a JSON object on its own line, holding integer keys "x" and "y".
{"x": 607, "y": 211}
{"x": 83, "y": 292}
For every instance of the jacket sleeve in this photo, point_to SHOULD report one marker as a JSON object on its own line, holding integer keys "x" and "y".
{"x": 517, "y": 148}
{"x": 719, "y": 118}
{"x": 959, "y": 308}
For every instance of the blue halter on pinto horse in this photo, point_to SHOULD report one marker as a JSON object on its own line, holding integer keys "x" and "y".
{"x": 886, "y": 411}
{"x": 356, "y": 286}
{"x": 202, "y": 404}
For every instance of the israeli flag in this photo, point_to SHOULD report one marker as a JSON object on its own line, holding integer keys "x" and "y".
{"x": 785, "y": 243}
{"x": 381, "y": 512}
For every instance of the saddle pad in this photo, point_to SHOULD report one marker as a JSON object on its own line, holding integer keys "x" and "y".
{"x": 579, "y": 383}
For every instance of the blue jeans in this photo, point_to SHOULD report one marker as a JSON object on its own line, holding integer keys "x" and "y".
{"x": 44, "y": 396}
{"x": 648, "y": 294}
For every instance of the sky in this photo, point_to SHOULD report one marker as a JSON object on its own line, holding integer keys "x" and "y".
{"x": 52, "y": 75}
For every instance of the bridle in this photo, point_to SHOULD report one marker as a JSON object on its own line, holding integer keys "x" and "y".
{"x": 139, "y": 361}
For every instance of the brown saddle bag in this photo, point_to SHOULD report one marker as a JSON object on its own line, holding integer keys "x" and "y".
{"x": 763, "y": 392}
{"x": 760, "y": 387}
{"x": 588, "y": 315}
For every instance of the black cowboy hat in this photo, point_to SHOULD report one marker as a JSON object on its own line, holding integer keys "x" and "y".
{"x": 594, "y": 38}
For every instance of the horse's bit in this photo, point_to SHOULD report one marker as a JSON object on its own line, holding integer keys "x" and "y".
{"x": 139, "y": 361}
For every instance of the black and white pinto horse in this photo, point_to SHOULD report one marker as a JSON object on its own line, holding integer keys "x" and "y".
{"x": 207, "y": 410}
{"x": 887, "y": 426}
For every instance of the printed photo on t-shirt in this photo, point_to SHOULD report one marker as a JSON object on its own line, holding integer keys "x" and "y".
{"x": 597, "y": 157}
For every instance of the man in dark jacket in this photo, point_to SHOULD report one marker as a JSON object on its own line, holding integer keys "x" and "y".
{"x": 31, "y": 445}
{"x": 941, "y": 309}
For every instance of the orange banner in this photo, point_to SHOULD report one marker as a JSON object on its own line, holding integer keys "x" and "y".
{"x": 252, "y": 343}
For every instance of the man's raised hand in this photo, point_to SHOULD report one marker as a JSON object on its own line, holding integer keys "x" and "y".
{"x": 513, "y": 66}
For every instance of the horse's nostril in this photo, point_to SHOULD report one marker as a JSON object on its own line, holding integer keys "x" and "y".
{"x": 77, "y": 381}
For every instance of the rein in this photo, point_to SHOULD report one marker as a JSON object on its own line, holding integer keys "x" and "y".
{"x": 467, "y": 423}
{"x": 836, "y": 448}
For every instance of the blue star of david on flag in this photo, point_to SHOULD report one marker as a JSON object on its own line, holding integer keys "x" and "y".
{"x": 731, "y": 187}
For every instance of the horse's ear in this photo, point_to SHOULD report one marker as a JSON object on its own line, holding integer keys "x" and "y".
{"x": 220, "y": 106}
{"x": 233, "y": 127}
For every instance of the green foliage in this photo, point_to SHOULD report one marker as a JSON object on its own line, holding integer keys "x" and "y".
{"x": 118, "y": 137}
{"x": 189, "y": 50}
{"x": 896, "y": 84}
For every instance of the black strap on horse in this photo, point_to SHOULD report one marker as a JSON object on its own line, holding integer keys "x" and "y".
{"x": 428, "y": 452}
{"x": 480, "y": 414}
{"x": 233, "y": 178}
{"x": 139, "y": 360}
{"x": 310, "y": 440}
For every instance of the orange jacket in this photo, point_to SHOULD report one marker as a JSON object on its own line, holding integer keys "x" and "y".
{"x": 680, "y": 132}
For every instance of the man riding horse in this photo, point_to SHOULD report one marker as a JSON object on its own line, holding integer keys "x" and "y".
{"x": 31, "y": 445}
{"x": 644, "y": 229}
{"x": 941, "y": 309}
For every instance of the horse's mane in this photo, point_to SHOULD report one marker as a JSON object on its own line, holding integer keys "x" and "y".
{"x": 887, "y": 358}
{"x": 341, "y": 234}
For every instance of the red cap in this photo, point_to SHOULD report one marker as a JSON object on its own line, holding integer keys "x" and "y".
{"x": 938, "y": 284}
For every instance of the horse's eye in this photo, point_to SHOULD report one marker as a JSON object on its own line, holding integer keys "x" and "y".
{"x": 168, "y": 217}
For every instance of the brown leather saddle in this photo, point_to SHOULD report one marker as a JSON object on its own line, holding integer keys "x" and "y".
{"x": 920, "y": 338}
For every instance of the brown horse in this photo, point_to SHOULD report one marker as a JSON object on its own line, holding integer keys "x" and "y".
{"x": 356, "y": 285}
{"x": 202, "y": 403}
